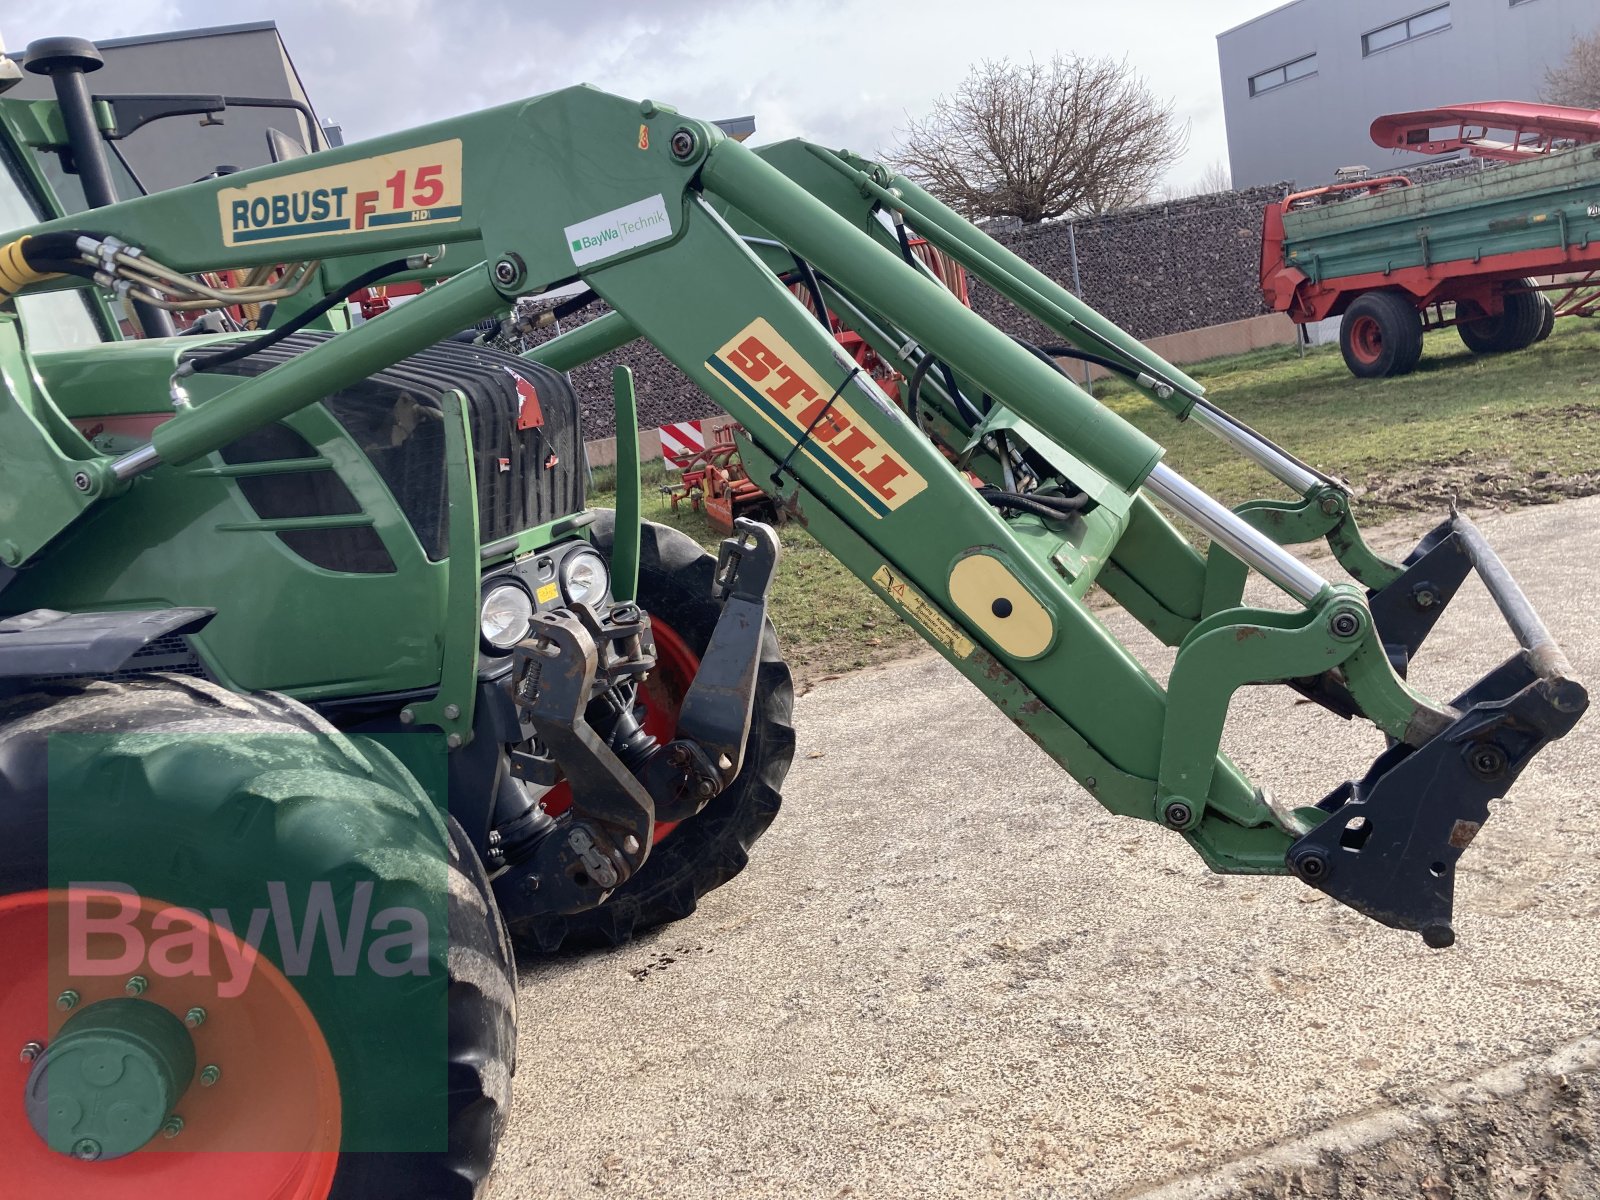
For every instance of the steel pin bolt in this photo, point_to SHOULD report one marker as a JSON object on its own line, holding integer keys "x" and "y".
{"x": 630, "y": 844}
{"x": 173, "y": 1126}
{"x": 1329, "y": 505}
{"x": 195, "y": 1017}
{"x": 684, "y": 143}
{"x": 82, "y": 482}
{"x": 136, "y": 986}
{"x": 1178, "y": 814}
{"x": 31, "y": 1051}
{"x": 86, "y": 1149}
{"x": 67, "y": 1001}
{"x": 210, "y": 1075}
{"x": 1344, "y": 624}
{"x": 452, "y": 711}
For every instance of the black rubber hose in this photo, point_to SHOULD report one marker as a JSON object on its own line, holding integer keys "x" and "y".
{"x": 331, "y": 300}
{"x": 808, "y": 276}
{"x": 1050, "y": 353}
{"x": 1054, "y": 508}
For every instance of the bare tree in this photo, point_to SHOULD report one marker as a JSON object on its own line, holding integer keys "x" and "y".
{"x": 1576, "y": 82}
{"x": 1215, "y": 178}
{"x": 1041, "y": 140}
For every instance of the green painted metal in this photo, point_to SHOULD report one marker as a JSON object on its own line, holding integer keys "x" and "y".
{"x": 608, "y": 332}
{"x": 625, "y": 541}
{"x": 653, "y": 212}
{"x": 1219, "y": 656}
{"x": 451, "y": 708}
{"x": 73, "y": 1098}
{"x": 1548, "y": 202}
{"x": 1035, "y": 391}
{"x": 326, "y": 368}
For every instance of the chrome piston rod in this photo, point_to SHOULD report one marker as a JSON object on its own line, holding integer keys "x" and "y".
{"x": 1224, "y": 526}
{"x": 1286, "y": 469}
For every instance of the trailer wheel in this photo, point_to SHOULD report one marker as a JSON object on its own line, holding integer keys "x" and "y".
{"x": 1381, "y": 335}
{"x": 200, "y": 800}
{"x": 692, "y": 857}
{"x": 1515, "y": 327}
{"x": 1547, "y": 322}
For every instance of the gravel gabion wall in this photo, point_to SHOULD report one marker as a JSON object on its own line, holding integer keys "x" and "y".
{"x": 1158, "y": 269}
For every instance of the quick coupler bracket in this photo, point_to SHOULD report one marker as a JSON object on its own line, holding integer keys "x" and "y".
{"x": 715, "y": 716}
{"x": 1390, "y": 843}
{"x": 605, "y": 836}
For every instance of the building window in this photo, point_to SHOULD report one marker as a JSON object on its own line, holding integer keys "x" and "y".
{"x": 1431, "y": 21}
{"x": 1288, "y": 73}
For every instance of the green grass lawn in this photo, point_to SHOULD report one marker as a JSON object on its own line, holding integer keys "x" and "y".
{"x": 1513, "y": 429}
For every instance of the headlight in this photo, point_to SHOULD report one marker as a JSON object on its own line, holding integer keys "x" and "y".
{"x": 506, "y": 617}
{"x": 584, "y": 578}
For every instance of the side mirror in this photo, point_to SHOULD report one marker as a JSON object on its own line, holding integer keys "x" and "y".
{"x": 281, "y": 147}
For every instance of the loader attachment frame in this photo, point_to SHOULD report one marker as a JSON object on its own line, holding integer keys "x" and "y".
{"x": 688, "y": 236}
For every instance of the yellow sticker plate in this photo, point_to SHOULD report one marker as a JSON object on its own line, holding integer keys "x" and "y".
{"x": 416, "y": 187}
{"x": 770, "y": 375}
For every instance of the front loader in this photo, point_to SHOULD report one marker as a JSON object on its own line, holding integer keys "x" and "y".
{"x": 309, "y": 635}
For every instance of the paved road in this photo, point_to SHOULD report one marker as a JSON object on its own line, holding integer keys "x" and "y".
{"x": 948, "y": 972}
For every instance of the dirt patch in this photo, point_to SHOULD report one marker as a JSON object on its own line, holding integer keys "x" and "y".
{"x": 1519, "y": 1133}
{"x": 811, "y": 668}
{"x": 1474, "y": 479}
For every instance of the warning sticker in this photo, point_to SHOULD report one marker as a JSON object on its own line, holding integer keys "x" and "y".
{"x": 940, "y": 627}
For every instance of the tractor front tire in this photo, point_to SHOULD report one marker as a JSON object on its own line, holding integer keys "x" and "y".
{"x": 1515, "y": 327}
{"x": 1381, "y": 335}
{"x": 710, "y": 848}
{"x": 191, "y": 795}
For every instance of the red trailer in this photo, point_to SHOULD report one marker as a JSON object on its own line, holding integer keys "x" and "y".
{"x": 1498, "y": 254}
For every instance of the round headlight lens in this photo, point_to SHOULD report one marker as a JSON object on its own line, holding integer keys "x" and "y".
{"x": 584, "y": 578}
{"x": 506, "y": 617}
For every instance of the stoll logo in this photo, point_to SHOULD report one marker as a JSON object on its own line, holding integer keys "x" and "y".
{"x": 625, "y": 228}
{"x": 110, "y": 932}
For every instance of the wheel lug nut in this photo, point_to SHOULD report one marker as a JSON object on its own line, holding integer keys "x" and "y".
{"x": 210, "y": 1075}
{"x": 31, "y": 1051}
{"x": 67, "y": 1000}
{"x": 136, "y": 986}
{"x": 86, "y": 1149}
{"x": 173, "y": 1126}
{"x": 195, "y": 1017}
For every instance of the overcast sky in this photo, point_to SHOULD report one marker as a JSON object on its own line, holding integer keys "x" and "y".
{"x": 840, "y": 72}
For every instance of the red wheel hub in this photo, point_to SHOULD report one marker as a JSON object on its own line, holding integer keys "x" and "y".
{"x": 1366, "y": 339}
{"x": 263, "y": 1125}
{"x": 662, "y": 697}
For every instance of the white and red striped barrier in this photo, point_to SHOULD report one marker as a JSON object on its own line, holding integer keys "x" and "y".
{"x": 680, "y": 442}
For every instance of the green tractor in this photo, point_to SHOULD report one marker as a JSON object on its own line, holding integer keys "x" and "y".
{"x": 321, "y": 688}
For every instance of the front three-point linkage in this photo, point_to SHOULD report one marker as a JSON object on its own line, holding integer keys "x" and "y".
{"x": 575, "y": 681}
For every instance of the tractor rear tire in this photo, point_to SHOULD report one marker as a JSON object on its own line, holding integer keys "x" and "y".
{"x": 708, "y": 849}
{"x": 1515, "y": 327}
{"x": 212, "y": 778}
{"x": 1381, "y": 336}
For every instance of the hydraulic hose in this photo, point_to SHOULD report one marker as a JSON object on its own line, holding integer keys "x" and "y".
{"x": 34, "y": 259}
{"x": 331, "y": 300}
{"x": 1051, "y": 507}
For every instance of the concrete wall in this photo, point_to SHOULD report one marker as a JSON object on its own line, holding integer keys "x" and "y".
{"x": 1307, "y": 129}
{"x": 1197, "y": 345}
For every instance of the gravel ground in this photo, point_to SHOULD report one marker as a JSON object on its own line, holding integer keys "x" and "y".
{"x": 948, "y": 972}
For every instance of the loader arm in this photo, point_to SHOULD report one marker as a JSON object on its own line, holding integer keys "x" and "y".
{"x": 691, "y": 237}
